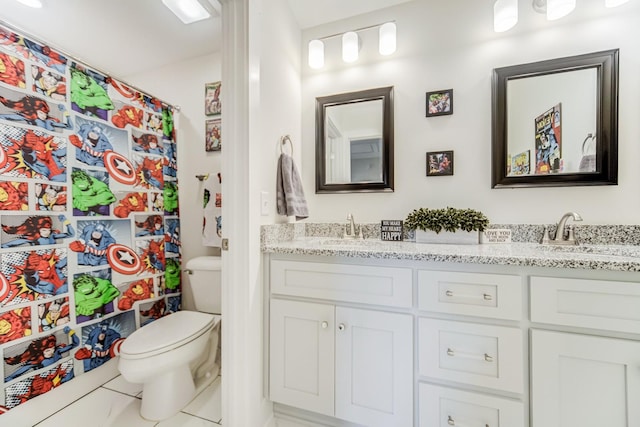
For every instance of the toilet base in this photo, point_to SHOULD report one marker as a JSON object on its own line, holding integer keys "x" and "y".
{"x": 167, "y": 394}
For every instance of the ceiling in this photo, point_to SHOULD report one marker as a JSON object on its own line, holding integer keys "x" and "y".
{"x": 125, "y": 37}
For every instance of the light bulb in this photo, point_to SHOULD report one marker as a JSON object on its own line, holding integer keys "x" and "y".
{"x": 37, "y": 4}
{"x": 614, "y": 3}
{"x": 316, "y": 54}
{"x": 505, "y": 15}
{"x": 350, "y": 46}
{"x": 557, "y": 9}
{"x": 387, "y": 42}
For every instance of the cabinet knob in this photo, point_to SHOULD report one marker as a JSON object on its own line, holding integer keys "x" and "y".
{"x": 324, "y": 325}
{"x": 341, "y": 327}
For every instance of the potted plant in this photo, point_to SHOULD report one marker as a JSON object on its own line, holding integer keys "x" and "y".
{"x": 458, "y": 226}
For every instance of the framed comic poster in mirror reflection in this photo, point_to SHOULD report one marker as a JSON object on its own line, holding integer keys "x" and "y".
{"x": 213, "y": 135}
{"x": 439, "y": 163}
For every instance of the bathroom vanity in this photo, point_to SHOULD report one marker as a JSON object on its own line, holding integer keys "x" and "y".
{"x": 403, "y": 334}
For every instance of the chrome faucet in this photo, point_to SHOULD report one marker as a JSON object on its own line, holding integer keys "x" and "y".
{"x": 350, "y": 232}
{"x": 564, "y": 233}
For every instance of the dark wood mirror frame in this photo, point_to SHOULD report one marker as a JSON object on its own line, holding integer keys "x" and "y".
{"x": 606, "y": 65}
{"x": 322, "y": 103}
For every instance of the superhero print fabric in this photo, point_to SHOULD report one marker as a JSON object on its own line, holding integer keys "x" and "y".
{"x": 89, "y": 218}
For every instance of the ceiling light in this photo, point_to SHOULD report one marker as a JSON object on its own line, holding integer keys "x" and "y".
{"x": 316, "y": 54}
{"x": 387, "y": 38}
{"x": 557, "y": 9}
{"x": 505, "y": 15}
{"x": 31, "y": 3}
{"x": 350, "y": 46}
{"x": 187, "y": 10}
{"x": 614, "y": 3}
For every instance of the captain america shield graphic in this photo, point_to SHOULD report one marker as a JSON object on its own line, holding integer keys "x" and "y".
{"x": 119, "y": 168}
{"x": 3, "y": 158}
{"x": 4, "y": 287}
{"x": 123, "y": 259}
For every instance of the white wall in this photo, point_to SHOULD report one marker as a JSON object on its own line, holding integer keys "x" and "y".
{"x": 182, "y": 84}
{"x": 451, "y": 44}
{"x": 280, "y": 97}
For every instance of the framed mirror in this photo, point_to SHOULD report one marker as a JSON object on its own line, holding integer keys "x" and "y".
{"x": 555, "y": 122}
{"x": 354, "y": 141}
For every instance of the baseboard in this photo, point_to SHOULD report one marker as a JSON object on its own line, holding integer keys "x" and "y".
{"x": 287, "y": 416}
{"x": 39, "y": 408}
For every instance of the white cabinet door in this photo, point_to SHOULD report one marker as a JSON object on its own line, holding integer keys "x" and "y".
{"x": 374, "y": 367}
{"x": 584, "y": 381}
{"x": 302, "y": 355}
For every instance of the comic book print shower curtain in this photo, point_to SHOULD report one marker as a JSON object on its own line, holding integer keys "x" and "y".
{"x": 90, "y": 232}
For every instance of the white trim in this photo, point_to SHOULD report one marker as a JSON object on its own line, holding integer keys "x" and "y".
{"x": 242, "y": 304}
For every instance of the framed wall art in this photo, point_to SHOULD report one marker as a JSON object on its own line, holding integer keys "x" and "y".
{"x": 439, "y": 163}
{"x": 440, "y": 103}
{"x": 212, "y": 100}
{"x": 212, "y": 133}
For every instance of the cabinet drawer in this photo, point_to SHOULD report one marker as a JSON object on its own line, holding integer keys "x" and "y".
{"x": 343, "y": 282}
{"x": 482, "y": 355}
{"x": 597, "y": 304}
{"x": 446, "y": 407}
{"x": 497, "y": 296}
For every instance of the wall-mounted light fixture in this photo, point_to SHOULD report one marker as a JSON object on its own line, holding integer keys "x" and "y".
{"x": 351, "y": 44}
{"x": 36, "y": 4}
{"x": 316, "y": 54}
{"x": 505, "y": 15}
{"x": 187, "y": 10}
{"x": 505, "y": 12}
{"x": 387, "y": 40}
{"x": 557, "y": 9}
{"x": 614, "y": 3}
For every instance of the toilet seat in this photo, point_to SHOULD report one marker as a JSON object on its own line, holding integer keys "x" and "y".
{"x": 167, "y": 333}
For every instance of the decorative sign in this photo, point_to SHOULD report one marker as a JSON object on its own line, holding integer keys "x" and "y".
{"x": 391, "y": 230}
{"x": 496, "y": 235}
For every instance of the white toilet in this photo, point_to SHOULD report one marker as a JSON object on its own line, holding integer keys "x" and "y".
{"x": 174, "y": 357}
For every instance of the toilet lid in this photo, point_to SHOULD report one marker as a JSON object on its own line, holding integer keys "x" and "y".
{"x": 167, "y": 331}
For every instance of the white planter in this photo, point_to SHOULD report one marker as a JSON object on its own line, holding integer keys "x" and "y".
{"x": 456, "y": 238}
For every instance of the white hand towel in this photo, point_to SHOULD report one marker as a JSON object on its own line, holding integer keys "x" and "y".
{"x": 289, "y": 192}
{"x": 212, "y": 211}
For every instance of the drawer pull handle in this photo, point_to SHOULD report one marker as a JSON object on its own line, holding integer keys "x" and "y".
{"x": 452, "y": 422}
{"x": 324, "y": 325}
{"x": 486, "y": 297}
{"x": 483, "y": 356}
{"x": 341, "y": 327}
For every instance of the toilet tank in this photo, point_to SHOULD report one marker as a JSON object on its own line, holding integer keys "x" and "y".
{"x": 204, "y": 275}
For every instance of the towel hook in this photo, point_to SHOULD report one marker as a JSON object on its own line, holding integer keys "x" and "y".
{"x": 284, "y": 140}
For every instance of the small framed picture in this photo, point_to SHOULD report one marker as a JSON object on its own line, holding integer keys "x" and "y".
{"x": 213, "y": 135}
{"x": 439, "y": 163}
{"x": 440, "y": 103}
{"x": 212, "y": 100}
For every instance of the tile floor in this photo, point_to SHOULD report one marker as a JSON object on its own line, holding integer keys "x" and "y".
{"x": 123, "y": 408}
{"x": 117, "y": 404}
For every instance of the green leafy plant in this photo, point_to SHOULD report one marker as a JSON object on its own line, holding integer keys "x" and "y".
{"x": 449, "y": 219}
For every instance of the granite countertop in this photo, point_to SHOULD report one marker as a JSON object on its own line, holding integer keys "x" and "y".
{"x": 586, "y": 256}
